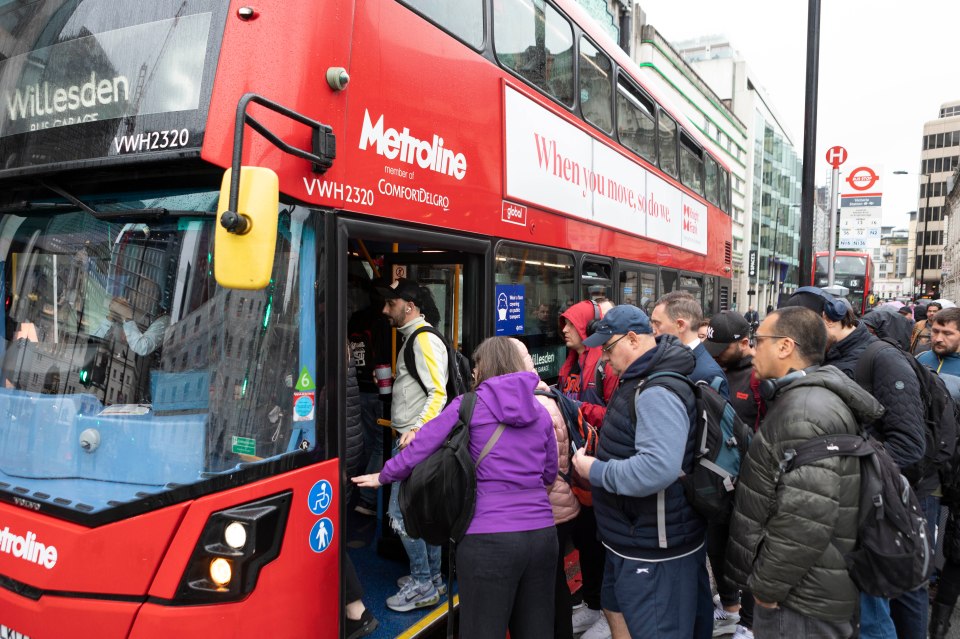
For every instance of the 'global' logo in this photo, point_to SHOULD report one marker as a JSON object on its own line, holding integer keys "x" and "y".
{"x": 400, "y": 145}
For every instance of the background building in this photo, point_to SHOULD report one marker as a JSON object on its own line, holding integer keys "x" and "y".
{"x": 891, "y": 278}
{"x": 951, "y": 252}
{"x": 939, "y": 158}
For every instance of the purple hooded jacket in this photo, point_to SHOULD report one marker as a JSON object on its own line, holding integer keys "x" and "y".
{"x": 513, "y": 478}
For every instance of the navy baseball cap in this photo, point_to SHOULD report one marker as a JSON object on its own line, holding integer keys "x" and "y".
{"x": 619, "y": 320}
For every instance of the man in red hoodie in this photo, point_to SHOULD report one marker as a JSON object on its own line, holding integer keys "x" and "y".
{"x": 584, "y": 378}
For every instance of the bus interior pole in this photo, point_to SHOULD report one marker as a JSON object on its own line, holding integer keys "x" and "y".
{"x": 807, "y": 186}
{"x": 832, "y": 258}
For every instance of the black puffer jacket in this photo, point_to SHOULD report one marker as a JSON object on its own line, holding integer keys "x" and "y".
{"x": 895, "y": 386}
{"x": 886, "y": 323}
{"x": 354, "y": 443}
{"x": 789, "y": 531}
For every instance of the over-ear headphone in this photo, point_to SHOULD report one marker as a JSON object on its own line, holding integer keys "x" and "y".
{"x": 834, "y": 308}
{"x": 592, "y": 324}
{"x": 770, "y": 387}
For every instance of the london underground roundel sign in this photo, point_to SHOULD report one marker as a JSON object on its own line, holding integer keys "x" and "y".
{"x": 862, "y": 178}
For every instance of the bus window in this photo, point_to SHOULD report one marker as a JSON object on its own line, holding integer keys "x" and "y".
{"x": 535, "y": 41}
{"x": 711, "y": 178}
{"x": 693, "y": 285}
{"x": 639, "y": 288}
{"x": 462, "y": 18}
{"x": 548, "y": 290}
{"x": 691, "y": 163}
{"x": 668, "y": 281}
{"x": 709, "y": 296}
{"x": 125, "y": 327}
{"x": 635, "y": 126}
{"x": 667, "y": 143}
{"x": 596, "y": 75}
{"x": 723, "y": 197}
{"x": 595, "y": 281}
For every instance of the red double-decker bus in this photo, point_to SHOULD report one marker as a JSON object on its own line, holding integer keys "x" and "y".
{"x": 852, "y": 270}
{"x": 173, "y": 455}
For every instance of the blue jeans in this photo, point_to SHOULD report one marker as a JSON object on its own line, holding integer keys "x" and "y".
{"x": 371, "y": 409}
{"x": 784, "y": 623}
{"x": 424, "y": 559}
{"x": 875, "y": 621}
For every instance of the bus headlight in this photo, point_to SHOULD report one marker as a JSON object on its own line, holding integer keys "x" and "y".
{"x": 220, "y": 571}
{"x": 234, "y": 545}
{"x": 235, "y": 535}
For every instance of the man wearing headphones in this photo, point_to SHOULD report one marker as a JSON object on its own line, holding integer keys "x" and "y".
{"x": 410, "y": 408}
{"x": 789, "y": 531}
{"x": 901, "y": 429}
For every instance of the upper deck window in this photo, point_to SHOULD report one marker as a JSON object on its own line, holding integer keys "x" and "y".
{"x": 596, "y": 86}
{"x": 712, "y": 179}
{"x": 462, "y": 18}
{"x": 635, "y": 126}
{"x": 691, "y": 163}
{"x": 667, "y": 143}
{"x": 535, "y": 41}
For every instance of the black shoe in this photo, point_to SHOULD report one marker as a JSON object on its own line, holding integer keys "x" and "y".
{"x": 361, "y": 627}
{"x": 940, "y": 620}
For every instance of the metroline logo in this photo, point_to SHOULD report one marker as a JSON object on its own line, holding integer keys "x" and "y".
{"x": 28, "y": 548}
{"x": 400, "y": 145}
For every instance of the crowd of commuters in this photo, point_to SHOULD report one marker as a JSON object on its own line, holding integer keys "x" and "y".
{"x": 778, "y": 563}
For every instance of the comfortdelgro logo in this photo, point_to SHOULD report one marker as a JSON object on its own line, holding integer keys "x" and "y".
{"x": 27, "y": 548}
{"x": 400, "y": 145}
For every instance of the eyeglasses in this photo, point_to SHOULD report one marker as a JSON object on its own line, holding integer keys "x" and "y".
{"x": 609, "y": 347}
{"x": 760, "y": 337}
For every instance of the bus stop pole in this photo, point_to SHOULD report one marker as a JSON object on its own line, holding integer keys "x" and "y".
{"x": 807, "y": 185}
{"x": 832, "y": 203}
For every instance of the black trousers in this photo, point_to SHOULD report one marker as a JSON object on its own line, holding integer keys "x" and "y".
{"x": 562, "y": 601}
{"x": 505, "y": 581}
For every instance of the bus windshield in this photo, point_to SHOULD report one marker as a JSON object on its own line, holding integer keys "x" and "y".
{"x": 127, "y": 372}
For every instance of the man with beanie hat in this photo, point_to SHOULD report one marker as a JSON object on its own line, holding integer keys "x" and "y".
{"x": 655, "y": 539}
{"x": 893, "y": 383}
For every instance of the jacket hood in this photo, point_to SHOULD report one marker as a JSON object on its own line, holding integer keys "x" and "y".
{"x": 861, "y": 403}
{"x": 889, "y": 324}
{"x": 510, "y": 398}
{"x": 581, "y": 314}
{"x": 669, "y": 355}
{"x": 856, "y": 341}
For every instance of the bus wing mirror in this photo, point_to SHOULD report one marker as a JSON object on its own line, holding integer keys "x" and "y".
{"x": 246, "y": 238}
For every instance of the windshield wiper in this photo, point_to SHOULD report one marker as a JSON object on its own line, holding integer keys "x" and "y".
{"x": 36, "y": 207}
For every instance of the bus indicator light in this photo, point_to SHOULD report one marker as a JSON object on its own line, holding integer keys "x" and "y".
{"x": 220, "y": 571}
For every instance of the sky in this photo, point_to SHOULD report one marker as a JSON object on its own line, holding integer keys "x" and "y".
{"x": 886, "y": 66}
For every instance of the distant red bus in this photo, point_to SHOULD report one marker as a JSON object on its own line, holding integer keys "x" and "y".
{"x": 173, "y": 448}
{"x": 852, "y": 270}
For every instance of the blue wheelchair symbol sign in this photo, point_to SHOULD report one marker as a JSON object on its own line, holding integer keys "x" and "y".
{"x": 321, "y": 536}
{"x": 320, "y": 497}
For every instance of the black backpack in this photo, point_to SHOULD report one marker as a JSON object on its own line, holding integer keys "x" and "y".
{"x": 459, "y": 371}
{"x": 939, "y": 416}
{"x": 438, "y": 498}
{"x": 893, "y": 554}
{"x": 722, "y": 440}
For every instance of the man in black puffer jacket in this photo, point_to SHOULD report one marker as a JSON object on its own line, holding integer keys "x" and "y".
{"x": 901, "y": 429}
{"x": 789, "y": 531}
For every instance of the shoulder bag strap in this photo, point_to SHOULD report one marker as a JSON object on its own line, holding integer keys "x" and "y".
{"x": 490, "y": 442}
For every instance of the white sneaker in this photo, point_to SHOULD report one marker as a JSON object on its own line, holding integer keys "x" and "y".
{"x": 743, "y": 633}
{"x": 599, "y": 630}
{"x": 724, "y": 621}
{"x": 584, "y": 618}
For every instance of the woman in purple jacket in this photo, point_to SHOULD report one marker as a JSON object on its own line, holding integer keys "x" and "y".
{"x": 507, "y": 560}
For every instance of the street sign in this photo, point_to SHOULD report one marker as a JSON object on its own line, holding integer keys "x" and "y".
{"x": 752, "y": 264}
{"x": 836, "y": 155}
{"x": 862, "y": 179}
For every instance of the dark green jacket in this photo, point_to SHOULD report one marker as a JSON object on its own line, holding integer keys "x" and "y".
{"x": 789, "y": 532}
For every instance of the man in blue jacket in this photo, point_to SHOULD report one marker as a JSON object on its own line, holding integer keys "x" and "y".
{"x": 679, "y": 314}
{"x": 656, "y": 555}
{"x": 944, "y": 343}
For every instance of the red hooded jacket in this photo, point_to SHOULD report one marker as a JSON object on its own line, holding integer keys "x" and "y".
{"x": 578, "y": 372}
